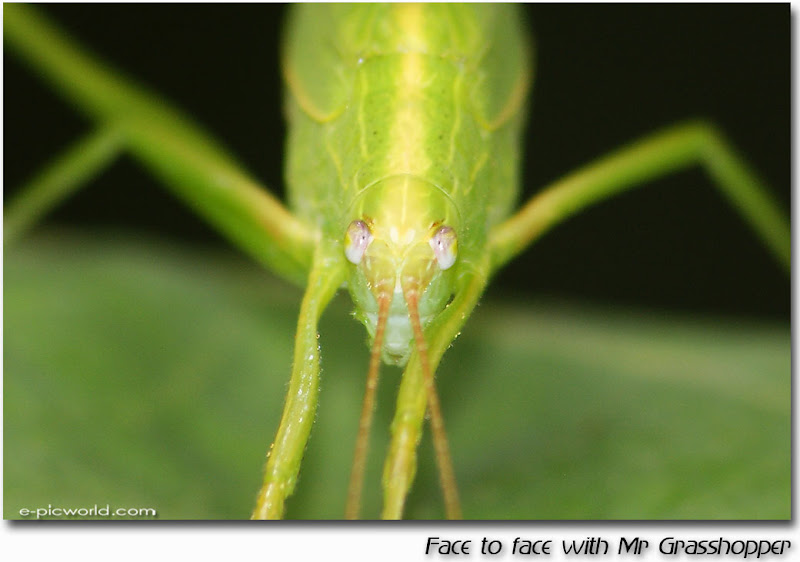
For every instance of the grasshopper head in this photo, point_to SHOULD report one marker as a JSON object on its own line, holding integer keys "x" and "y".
{"x": 402, "y": 243}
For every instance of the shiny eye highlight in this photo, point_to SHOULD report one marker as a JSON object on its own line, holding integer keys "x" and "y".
{"x": 444, "y": 246}
{"x": 356, "y": 240}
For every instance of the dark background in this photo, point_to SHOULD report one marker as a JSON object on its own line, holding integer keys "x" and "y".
{"x": 605, "y": 76}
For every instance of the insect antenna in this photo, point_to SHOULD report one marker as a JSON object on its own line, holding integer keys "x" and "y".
{"x": 367, "y": 409}
{"x": 447, "y": 477}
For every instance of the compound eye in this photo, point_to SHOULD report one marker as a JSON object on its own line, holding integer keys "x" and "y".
{"x": 356, "y": 240}
{"x": 444, "y": 246}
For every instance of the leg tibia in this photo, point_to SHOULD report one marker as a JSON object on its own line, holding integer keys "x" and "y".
{"x": 401, "y": 461}
{"x": 286, "y": 453}
{"x": 666, "y": 151}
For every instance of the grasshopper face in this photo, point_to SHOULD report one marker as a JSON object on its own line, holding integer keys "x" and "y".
{"x": 401, "y": 256}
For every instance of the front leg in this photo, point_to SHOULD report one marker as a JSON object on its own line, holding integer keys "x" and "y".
{"x": 286, "y": 453}
{"x": 412, "y": 399}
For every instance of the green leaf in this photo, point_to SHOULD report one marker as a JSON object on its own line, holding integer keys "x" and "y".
{"x": 144, "y": 375}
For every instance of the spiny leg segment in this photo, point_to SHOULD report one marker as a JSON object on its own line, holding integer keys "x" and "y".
{"x": 412, "y": 398}
{"x": 286, "y": 453}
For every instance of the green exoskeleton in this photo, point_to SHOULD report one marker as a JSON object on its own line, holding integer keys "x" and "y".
{"x": 403, "y": 151}
{"x": 402, "y": 174}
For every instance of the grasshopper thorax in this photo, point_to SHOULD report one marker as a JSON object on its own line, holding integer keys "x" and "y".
{"x": 401, "y": 240}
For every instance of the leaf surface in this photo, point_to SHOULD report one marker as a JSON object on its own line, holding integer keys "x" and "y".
{"x": 144, "y": 375}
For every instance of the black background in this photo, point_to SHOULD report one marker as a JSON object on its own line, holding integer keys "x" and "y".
{"x": 605, "y": 76}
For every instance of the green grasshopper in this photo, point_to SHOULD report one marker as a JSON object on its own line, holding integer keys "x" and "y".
{"x": 401, "y": 194}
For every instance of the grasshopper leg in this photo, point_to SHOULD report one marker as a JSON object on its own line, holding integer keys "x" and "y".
{"x": 66, "y": 174}
{"x": 168, "y": 143}
{"x": 666, "y": 151}
{"x": 286, "y": 452}
{"x": 412, "y": 400}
